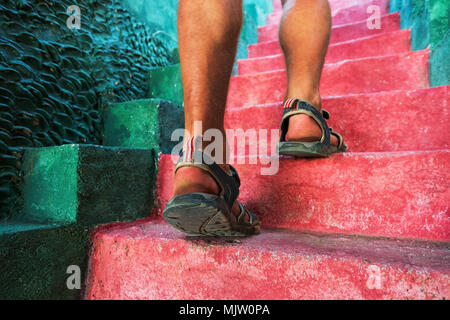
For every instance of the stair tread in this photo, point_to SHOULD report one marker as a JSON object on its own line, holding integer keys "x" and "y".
{"x": 428, "y": 254}
{"x": 368, "y": 122}
{"x": 12, "y": 227}
{"x": 369, "y": 47}
{"x": 401, "y": 71}
{"x": 151, "y": 260}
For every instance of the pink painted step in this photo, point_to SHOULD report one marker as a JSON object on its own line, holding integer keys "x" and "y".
{"x": 274, "y": 18}
{"x": 151, "y": 260}
{"x": 277, "y": 7}
{"x": 404, "y": 194}
{"x": 345, "y": 14}
{"x": 380, "y": 122}
{"x": 390, "y": 42}
{"x": 358, "y": 11}
{"x": 378, "y": 45}
{"x": 404, "y": 71}
{"x": 340, "y": 33}
{"x": 335, "y": 5}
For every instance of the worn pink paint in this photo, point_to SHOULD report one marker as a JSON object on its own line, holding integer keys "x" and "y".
{"x": 151, "y": 260}
{"x": 375, "y": 122}
{"x": 343, "y": 32}
{"x": 378, "y": 45}
{"x": 342, "y": 14}
{"x": 373, "y": 46}
{"x": 378, "y": 105}
{"x": 403, "y": 194}
{"x": 404, "y": 71}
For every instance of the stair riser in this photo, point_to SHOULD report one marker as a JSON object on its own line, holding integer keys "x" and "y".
{"x": 394, "y": 195}
{"x": 378, "y": 45}
{"x": 84, "y": 184}
{"x": 342, "y": 15}
{"x": 140, "y": 265}
{"x": 386, "y": 44}
{"x": 369, "y": 123}
{"x": 341, "y": 33}
{"x": 398, "y": 72}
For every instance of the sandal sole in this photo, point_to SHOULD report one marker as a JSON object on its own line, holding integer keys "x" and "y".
{"x": 306, "y": 149}
{"x": 201, "y": 214}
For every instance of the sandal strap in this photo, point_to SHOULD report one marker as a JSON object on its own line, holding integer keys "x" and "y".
{"x": 296, "y": 106}
{"x": 252, "y": 218}
{"x": 339, "y": 137}
{"x": 229, "y": 183}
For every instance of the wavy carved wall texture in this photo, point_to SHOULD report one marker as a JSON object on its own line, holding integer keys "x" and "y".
{"x": 54, "y": 81}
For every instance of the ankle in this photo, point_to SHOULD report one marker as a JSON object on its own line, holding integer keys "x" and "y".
{"x": 192, "y": 179}
{"x": 312, "y": 98}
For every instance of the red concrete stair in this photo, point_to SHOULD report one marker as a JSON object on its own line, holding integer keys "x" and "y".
{"x": 403, "y": 194}
{"x": 343, "y": 32}
{"x": 343, "y": 14}
{"x": 403, "y": 71}
{"x": 378, "y": 45}
{"x": 373, "y": 223}
{"x": 150, "y": 260}
{"x": 375, "y": 122}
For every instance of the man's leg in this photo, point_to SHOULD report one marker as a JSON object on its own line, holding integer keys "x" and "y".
{"x": 304, "y": 35}
{"x": 208, "y": 32}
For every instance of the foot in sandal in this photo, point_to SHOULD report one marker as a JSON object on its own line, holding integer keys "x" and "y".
{"x": 205, "y": 199}
{"x": 305, "y": 133}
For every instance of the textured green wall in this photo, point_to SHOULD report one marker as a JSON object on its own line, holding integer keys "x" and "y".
{"x": 158, "y": 15}
{"x": 56, "y": 86}
{"x": 429, "y": 21}
{"x": 55, "y": 81}
{"x": 162, "y": 15}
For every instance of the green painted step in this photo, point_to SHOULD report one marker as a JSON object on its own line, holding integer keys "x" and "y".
{"x": 87, "y": 185}
{"x": 430, "y": 24}
{"x": 34, "y": 260}
{"x": 439, "y": 65}
{"x": 165, "y": 83}
{"x": 146, "y": 124}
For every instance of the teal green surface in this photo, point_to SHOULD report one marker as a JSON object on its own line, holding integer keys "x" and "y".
{"x": 146, "y": 124}
{"x": 439, "y": 63}
{"x": 87, "y": 184}
{"x": 158, "y": 15}
{"x": 420, "y": 26}
{"x": 166, "y": 83}
{"x": 429, "y": 21}
{"x": 50, "y": 184}
{"x": 132, "y": 124}
{"x": 439, "y": 20}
